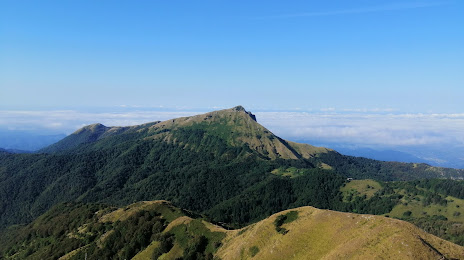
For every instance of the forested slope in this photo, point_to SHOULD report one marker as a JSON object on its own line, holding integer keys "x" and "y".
{"x": 222, "y": 163}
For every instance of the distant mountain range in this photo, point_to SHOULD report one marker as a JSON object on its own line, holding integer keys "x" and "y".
{"x": 223, "y": 165}
{"x": 26, "y": 141}
{"x": 436, "y": 156}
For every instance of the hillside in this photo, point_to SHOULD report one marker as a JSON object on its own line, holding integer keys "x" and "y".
{"x": 436, "y": 206}
{"x": 157, "y": 229}
{"x": 144, "y": 230}
{"x": 222, "y": 164}
{"x": 238, "y": 128}
{"x": 310, "y": 233}
{"x": 89, "y": 134}
{"x": 235, "y": 126}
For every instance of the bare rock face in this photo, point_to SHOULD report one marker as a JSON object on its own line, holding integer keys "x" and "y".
{"x": 242, "y": 109}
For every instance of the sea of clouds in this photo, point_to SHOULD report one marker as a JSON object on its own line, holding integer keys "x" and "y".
{"x": 436, "y": 138}
{"x": 368, "y": 128}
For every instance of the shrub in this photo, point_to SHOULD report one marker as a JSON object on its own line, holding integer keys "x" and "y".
{"x": 283, "y": 219}
{"x": 407, "y": 213}
{"x": 254, "y": 250}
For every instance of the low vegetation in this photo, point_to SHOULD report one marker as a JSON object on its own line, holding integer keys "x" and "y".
{"x": 360, "y": 188}
{"x": 145, "y": 230}
{"x": 284, "y": 219}
{"x": 417, "y": 202}
{"x": 158, "y": 230}
{"x": 324, "y": 234}
{"x": 291, "y": 172}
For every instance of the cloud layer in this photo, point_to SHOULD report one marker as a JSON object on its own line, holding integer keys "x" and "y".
{"x": 363, "y": 128}
{"x": 67, "y": 121}
{"x": 368, "y": 128}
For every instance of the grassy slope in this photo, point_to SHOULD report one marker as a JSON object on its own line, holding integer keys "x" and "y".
{"x": 324, "y": 234}
{"x": 418, "y": 210}
{"x": 148, "y": 252}
{"x": 78, "y": 226}
{"x": 236, "y": 127}
{"x": 311, "y": 234}
{"x": 445, "y": 220}
{"x": 453, "y": 210}
{"x": 361, "y": 188}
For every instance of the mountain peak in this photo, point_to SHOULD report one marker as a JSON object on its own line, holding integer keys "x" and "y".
{"x": 235, "y": 126}
{"x": 240, "y": 108}
{"x": 92, "y": 128}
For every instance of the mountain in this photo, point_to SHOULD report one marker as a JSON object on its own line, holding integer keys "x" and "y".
{"x": 87, "y": 134}
{"x": 159, "y": 230}
{"x": 26, "y": 141}
{"x": 238, "y": 128}
{"x": 440, "y": 155}
{"x": 223, "y": 164}
{"x": 13, "y": 151}
{"x": 197, "y": 162}
{"x": 235, "y": 126}
{"x": 382, "y": 155}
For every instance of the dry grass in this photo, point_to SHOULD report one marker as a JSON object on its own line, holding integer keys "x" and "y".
{"x": 72, "y": 253}
{"x": 176, "y": 252}
{"x": 177, "y": 222}
{"x": 324, "y": 234}
{"x": 308, "y": 151}
{"x": 122, "y": 214}
{"x": 245, "y": 131}
{"x": 147, "y": 252}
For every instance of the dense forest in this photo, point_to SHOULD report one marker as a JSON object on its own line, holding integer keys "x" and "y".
{"x": 203, "y": 167}
{"x": 232, "y": 184}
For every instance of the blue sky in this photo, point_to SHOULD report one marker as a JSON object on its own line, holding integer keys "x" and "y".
{"x": 282, "y": 55}
{"x": 369, "y": 73}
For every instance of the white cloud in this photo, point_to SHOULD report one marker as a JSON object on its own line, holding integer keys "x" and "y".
{"x": 68, "y": 121}
{"x": 363, "y": 128}
{"x": 367, "y": 128}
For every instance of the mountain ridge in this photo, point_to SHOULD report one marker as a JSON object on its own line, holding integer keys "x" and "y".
{"x": 235, "y": 126}
{"x": 298, "y": 233}
{"x": 237, "y": 121}
{"x": 326, "y": 234}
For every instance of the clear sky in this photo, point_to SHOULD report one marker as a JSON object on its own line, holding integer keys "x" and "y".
{"x": 358, "y": 54}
